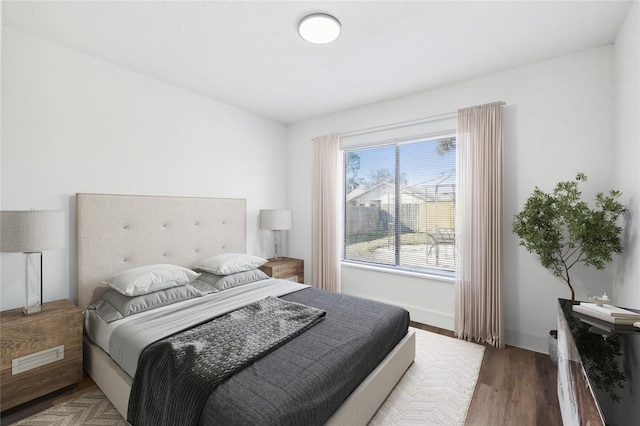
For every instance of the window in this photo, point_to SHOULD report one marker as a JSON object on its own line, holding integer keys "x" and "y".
{"x": 399, "y": 205}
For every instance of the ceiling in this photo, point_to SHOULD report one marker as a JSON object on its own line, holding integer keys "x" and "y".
{"x": 248, "y": 54}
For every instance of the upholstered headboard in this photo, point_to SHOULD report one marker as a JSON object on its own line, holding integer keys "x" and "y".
{"x": 117, "y": 232}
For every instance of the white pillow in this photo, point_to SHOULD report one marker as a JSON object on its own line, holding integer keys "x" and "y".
{"x": 229, "y": 263}
{"x": 150, "y": 278}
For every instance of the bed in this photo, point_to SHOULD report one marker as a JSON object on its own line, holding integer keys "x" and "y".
{"x": 116, "y": 232}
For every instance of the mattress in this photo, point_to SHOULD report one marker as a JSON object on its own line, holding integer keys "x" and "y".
{"x": 308, "y": 378}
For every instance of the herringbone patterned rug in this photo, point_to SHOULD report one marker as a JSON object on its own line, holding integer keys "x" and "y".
{"x": 438, "y": 387}
{"x": 436, "y": 390}
{"x": 92, "y": 408}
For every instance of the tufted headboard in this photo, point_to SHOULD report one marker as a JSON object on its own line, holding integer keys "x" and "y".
{"x": 117, "y": 232}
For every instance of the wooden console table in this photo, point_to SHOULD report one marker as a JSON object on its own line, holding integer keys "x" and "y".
{"x": 598, "y": 370}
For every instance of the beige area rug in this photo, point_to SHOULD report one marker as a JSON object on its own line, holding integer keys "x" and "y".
{"x": 436, "y": 390}
{"x": 92, "y": 408}
{"x": 438, "y": 387}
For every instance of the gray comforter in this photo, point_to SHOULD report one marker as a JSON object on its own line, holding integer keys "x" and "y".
{"x": 175, "y": 375}
{"x": 302, "y": 382}
{"x": 306, "y": 380}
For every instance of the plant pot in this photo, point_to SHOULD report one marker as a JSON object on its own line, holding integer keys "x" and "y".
{"x": 553, "y": 346}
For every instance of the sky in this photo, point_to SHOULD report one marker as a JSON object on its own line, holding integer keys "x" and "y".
{"x": 413, "y": 157}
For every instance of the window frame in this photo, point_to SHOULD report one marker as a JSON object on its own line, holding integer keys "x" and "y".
{"x": 433, "y": 272}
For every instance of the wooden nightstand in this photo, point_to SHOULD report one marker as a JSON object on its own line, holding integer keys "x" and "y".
{"x": 286, "y": 268}
{"x": 51, "y": 340}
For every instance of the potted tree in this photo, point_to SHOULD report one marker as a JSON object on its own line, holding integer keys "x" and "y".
{"x": 564, "y": 231}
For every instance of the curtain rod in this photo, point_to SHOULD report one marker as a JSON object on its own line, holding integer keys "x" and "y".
{"x": 402, "y": 124}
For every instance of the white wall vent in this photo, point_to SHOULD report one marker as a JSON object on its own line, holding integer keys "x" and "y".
{"x": 38, "y": 359}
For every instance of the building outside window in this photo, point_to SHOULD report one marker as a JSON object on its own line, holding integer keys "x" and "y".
{"x": 399, "y": 205}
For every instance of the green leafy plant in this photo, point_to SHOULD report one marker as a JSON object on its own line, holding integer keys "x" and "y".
{"x": 563, "y": 230}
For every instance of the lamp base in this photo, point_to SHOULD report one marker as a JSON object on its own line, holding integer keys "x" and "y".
{"x": 33, "y": 284}
{"x": 277, "y": 245}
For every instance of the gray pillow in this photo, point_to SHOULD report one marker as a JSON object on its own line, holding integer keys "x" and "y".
{"x": 229, "y": 263}
{"x": 223, "y": 282}
{"x": 114, "y": 305}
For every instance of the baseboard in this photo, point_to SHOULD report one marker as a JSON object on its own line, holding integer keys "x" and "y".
{"x": 532, "y": 342}
{"x": 529, "y": 341}
{"x": 430, "y": 317}
{"x": 423, "y": 316}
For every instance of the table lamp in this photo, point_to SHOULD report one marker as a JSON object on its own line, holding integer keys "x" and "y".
{"x": 276, "y": 221}
{"x": 30, "y": 232}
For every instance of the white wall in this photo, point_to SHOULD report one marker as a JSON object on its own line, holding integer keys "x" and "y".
{"x": 71, "y": 124}
{"x": 558, "y": 121}
{"x": 626, "y": 141}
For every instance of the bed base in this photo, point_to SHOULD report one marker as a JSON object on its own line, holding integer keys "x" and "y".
{"x": 357, "y": 409}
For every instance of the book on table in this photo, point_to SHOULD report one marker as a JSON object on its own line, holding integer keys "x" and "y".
{"x": 608, "y": 313}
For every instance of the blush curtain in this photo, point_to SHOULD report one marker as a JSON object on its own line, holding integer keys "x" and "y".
{"x": 326, "y": 213}
{"x": 478, "y": 288}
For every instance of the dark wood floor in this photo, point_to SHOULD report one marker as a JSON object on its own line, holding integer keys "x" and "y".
{"x": 515, "y": 387}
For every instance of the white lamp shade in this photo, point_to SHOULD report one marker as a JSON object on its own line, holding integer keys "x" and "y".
{"x": 276, "y": 220}
{"x": 30, "y": 231}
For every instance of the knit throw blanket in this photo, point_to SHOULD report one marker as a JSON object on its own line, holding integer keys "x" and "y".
{"x": 175, "y": 375}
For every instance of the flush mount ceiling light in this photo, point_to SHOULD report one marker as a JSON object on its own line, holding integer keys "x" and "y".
{"x": 319, "y": 28}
